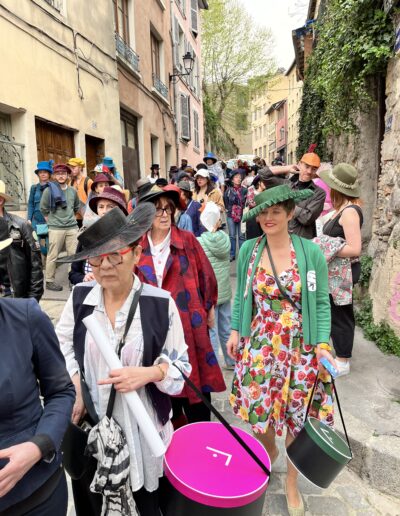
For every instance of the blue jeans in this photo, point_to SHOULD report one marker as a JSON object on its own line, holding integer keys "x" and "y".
{"x": 219, "y": 335}
{"x": 235, "y": 234}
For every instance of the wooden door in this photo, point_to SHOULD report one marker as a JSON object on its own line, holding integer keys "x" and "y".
{"x": 94, "y": 153}
{"x": 54, "y": 142}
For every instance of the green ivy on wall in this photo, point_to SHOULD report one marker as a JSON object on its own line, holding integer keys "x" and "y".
{"x": 354, "y": 43}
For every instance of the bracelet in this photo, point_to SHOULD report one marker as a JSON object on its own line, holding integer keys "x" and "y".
{"x": 163, "y": 373}
{"x": 324, "y": 345}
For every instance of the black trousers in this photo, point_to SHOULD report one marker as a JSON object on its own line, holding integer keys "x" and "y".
{"x": 56, "y": 504}
{"x": 194, "y": 413}
{"x": 342, "y": 329}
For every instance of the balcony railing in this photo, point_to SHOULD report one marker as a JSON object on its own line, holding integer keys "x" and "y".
{"x": 127, "y": 53}
{"x": 160, "y": 86}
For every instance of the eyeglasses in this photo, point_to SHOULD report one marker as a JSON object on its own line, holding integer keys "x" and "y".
{"x": 160, "y": 211}
{"x": 113, "y": 258}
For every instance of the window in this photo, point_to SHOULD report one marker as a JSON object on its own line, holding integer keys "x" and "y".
{"x": 193, "y": 16}
{"x": 155, "y": 150}
{"x": 121, "y": 19}
{"x": 177, "y": 33}
{"x": 182, "y": 6}
{"x": 57, "y": 4}
{"x": 196, "y": 129}
{"x": 264, "y": 151}
{"x": 241, "y": 121}
{"x": 155, "y": 55}
{"x": 185, "y": 117}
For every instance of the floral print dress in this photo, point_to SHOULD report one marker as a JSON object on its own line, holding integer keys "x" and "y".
{"x": 275, "y": 370}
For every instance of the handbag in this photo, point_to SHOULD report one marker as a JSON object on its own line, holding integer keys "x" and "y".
{"x": 42, "y": 230}
{"x": 73, "y": 447}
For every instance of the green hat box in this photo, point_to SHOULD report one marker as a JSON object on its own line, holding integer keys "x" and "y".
{"x": 319, "y": 453}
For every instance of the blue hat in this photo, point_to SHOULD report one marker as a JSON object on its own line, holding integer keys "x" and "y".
{"x": 108, "y": 162}
{"x": 213, "y": 177}
{"x": 47, "y": 166}
{"x": 210, "y": 155}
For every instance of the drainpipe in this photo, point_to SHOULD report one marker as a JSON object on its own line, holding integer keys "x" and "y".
{"x": 175, "y": 85}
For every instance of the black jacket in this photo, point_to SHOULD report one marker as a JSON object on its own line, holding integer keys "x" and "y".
{"x": 77, "y": 272}
{"x": 24, "y": 260}
{"x": 307, "y": 211}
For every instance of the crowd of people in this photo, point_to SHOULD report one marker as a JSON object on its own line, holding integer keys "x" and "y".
{"x": 164, "y": 254}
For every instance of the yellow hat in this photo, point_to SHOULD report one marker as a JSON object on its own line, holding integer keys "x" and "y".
{"x": 73, "y": 162}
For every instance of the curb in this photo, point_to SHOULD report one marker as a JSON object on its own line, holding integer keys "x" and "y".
{"x": 376, "y": 457}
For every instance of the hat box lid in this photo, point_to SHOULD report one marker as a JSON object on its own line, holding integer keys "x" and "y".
{"x": 207, "y": 465}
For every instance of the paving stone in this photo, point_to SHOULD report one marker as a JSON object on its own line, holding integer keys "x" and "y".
{"x": 275, "y": 484}
{"x": 353, "y": 497}
{"x": 275, "y": 504}
{"x": 307, "y": 488}
{"x": 326, "y": 506}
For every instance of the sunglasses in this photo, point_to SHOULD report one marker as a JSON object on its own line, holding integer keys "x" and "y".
{"x": 113, "y": 258}
{"x": 160, "y": 211}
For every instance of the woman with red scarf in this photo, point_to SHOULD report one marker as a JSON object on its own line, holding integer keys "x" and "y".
{"x": 235, "y": 199}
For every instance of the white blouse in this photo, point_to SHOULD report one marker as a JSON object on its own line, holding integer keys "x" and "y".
{"x": 145, "y": 470}
{"x": 160, "y": 253}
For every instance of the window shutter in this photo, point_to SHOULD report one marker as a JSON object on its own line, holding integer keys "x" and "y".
{"x": 193, "y": 15}
{"x": 185, "y": 117}
{"x": 176, "y": 42}
{"x": 183, "y": 3}
{"x": 196, "y": 129}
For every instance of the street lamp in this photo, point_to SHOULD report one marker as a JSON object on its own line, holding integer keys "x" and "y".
{"x": 188, "y": 63}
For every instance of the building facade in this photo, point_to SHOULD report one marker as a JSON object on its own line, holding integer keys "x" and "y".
{"x": 269, "y": 119}
{"x": 293, "y": 106}
{"x": 59, "y": 97}
{"x": 186, "y": 89}
{"x": 144, "y": 54}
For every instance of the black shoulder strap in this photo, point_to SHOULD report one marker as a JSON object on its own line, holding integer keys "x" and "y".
{"x": 283, "y": 292}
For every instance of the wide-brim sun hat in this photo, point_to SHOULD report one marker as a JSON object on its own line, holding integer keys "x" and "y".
{"x": 275, "y": 195}
{"x": 3, "y": 192}
{"x": 113, "y": 232}
{"x": 5, "y": 243}
{"x": 156, "y": 192}
{"x": 211, "y": 156}
{"x": 343, "y": 178}
{"x": 111, "y": 194}
{"x": 210, "y": 216}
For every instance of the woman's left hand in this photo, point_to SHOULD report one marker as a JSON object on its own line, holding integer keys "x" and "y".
{"x": 324, "y": 353}
{"x": 129, "y": 379}
{"x": 211, "y": 318}
{"x": 21, "y": 458}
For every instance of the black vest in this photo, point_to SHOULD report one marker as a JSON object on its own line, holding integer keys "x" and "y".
{"x": 155, "y": 323}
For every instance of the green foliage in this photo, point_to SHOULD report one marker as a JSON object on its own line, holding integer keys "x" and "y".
{"x": 236, "y": 59}
{"x": 354, "y": 43}
{"x": 382, "y": 334}
{"x": 366, "y": 269}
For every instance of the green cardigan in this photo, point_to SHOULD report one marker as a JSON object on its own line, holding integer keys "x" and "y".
{"x": 316, "y": 310}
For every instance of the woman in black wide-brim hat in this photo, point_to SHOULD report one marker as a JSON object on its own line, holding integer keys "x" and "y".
{"x": 174, "y": 260}
{"x": 280, "y": 329}
{"x": 111, "y": 246}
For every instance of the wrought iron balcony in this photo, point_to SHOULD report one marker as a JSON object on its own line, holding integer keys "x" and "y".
{"x": 127, "y": 53}
{"x": 160, "y": 86}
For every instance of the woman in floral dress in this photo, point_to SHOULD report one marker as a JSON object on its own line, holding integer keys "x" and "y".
{"x": 279, "y": 334}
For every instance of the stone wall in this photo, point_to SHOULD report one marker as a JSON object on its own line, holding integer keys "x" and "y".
{"x": 384, "y": 246}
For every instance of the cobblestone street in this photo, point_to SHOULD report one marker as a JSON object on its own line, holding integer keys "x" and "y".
{"x": 349, "y": 495}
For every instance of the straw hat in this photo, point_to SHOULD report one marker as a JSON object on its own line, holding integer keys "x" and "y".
{"x": 3, "y": 192}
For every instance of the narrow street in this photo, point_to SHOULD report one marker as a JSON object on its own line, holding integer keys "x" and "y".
{"x": 371, "y": 423}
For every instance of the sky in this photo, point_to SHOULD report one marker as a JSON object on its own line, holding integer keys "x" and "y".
{"x": 281, "y": 17}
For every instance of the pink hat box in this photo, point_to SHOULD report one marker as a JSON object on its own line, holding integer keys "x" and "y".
{"x": 211, "y": 474}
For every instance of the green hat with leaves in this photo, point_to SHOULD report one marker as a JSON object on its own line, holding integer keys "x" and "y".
{"x": 275, "y": 195}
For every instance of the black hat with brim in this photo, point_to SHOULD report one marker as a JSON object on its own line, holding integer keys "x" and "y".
{"x": 156, "y": 192}
{"x": 113, "y": 231}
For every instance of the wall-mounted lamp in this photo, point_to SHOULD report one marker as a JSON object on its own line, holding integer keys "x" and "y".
{"x": 188, "y": 63}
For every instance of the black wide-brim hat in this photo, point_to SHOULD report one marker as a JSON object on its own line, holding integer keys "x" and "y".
{"x": 113, "y": 231}
{"x": 156, "y": 192}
